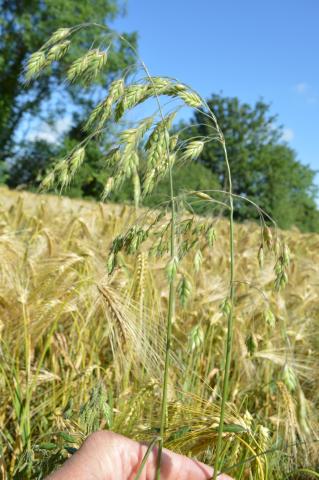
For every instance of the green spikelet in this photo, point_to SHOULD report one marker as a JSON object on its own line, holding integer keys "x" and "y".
{"x": 160, "y": 86}
{"x": 225, "y": 307}
{"x": 113, "y": 157}
{"x": 267, "y": 236}
{"x": 110, "y": 184}
{"x": 149, "y": 181}
{"x": 100, "y": 113}
{"x": 193, "y": 150}
{"x": 87, "y": 67}
{"x": 289, "y": 378}
{"x": 171, "y": 268}
{"x": 128, "y": 164}
{"x": 190, "y": 98}
{"x": 196, "y": 338}
{"x": 133, "y": 95}
{"x": 36, "y": 63}
{"x": 111, "y": 262}
{"x": 76, "y": 159}
{"x": 48, "y": 181}
{"x": 198, "y": 260}
{"x": 173, "y": 142}
{"x": 157, "y": 161}
{"x": 133, "y": 136}
{"x": 62, "y": 173}
{"x": 270, "y": 318}
{"x": 137, "y": 187}
{"x": 58, "y": 51}
{"x": 58, "y": 35}
{"x": 103, "y": 110}
{"x": 211, "y": 235}
{"x": 157, "y": 145}
{"x": 184, "y": 290}
{"x": 144, "y": 126}
{"x": 95, "y": 410}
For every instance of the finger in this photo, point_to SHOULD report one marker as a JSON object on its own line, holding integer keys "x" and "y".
{"x": 175, "y": 466}
{"x": 99, "y": 458}
{"x": 109, "y": 456}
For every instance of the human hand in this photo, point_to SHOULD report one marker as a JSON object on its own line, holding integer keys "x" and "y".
{"x": 108, "y": 456}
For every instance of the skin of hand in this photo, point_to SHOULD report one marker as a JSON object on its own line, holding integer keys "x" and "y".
{"x": 108, "y": 456}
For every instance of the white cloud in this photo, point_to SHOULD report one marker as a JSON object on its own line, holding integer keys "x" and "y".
{"x": 44, "y": 134}
{"x": 287, "y": 135}
{"x": 307, "y": 92}
{"x": 301, "y": 88}
{"x": 50, "y": 133}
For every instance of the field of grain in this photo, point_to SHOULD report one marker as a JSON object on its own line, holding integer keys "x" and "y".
{"x": 81, "y": 349}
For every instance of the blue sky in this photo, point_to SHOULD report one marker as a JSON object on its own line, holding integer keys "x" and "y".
{"x": 244, "y": 48}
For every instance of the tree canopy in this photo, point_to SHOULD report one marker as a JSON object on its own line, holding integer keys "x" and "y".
{"x": 264, "y": 168}
{"x": 24, "y": 27}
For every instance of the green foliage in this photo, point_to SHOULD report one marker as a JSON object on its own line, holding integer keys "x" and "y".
{"x": 285, "y": 188}
{"x": 30, "y": 164}
{"x": 246, "y": 128}
{"x": 264, "y": 169}
{"x": 186, "y": 178}
{"x": 24, "y": 27}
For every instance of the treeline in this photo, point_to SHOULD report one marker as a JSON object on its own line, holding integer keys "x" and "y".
{"x": 265, "y": 169}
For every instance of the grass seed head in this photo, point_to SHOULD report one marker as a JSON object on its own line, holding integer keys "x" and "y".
{"x": 184, "y": 290}
{"x": 193, "y": 150}
{"x": 87, "y": 67}
{"x": 36, "y": 63}
{"x": 198, "y": 260}
{"x": 58, "y": 51}
{"x": 58, "y": 35}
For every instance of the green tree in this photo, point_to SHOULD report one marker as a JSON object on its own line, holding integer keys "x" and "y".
{"x": 35, "y": 158}
{"x": 24, "y": 26}
{"x": 264, "y": 168}
{"x": 192, "y": 176}
{"x": 30, "y": 163}
{"x": 285, "y": 188}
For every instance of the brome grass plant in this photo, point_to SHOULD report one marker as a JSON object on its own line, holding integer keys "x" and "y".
{"x": 87, "y": 340}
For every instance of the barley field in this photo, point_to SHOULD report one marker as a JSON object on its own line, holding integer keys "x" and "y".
{"x": 81, "y": 349}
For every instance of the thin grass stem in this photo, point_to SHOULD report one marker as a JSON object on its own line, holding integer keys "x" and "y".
{"x": 147, "y": 454}
{"x": 230, "y": 321}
